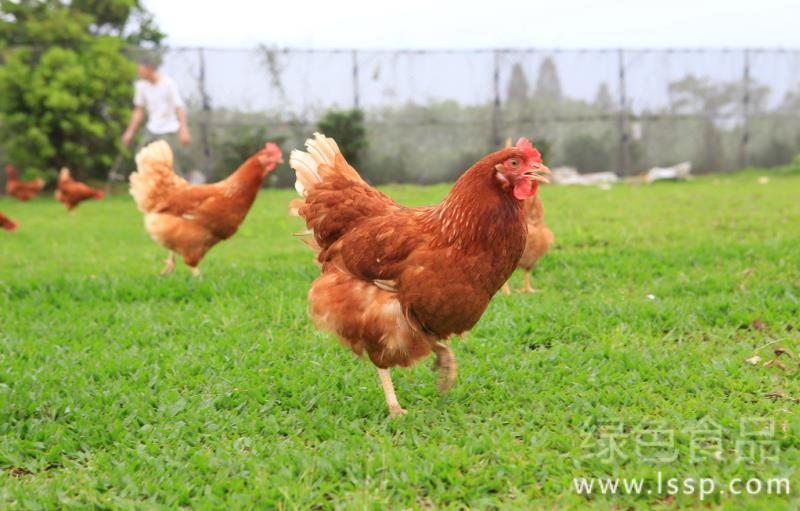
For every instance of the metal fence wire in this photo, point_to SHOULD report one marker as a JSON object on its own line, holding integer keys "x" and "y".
{"x": 430, "y": 114}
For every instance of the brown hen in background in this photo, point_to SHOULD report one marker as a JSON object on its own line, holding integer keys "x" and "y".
{"x": 540, "y": 237}
{"x": 190, "y": 219}
{"x": 71, "y": 192}
{"x": 22, "y": 190}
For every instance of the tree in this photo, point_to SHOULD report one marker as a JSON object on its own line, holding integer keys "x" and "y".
{"x": 791, "y": 102}
{"x": 348, "y": 129}
{"x": 548, "y": 84}
{"x": 587, "y": 153}
{"x": 693, "y": 95}
{"x": 518, "y": 84}
{"x": 715, "y": 102}
{"x": 65, "y": 85}
{"x": 602, "y": 99}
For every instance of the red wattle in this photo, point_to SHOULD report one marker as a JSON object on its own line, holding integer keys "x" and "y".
{"x": 523, "y": 189}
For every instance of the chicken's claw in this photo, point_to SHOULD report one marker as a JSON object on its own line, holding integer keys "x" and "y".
{"x": 169, "y": 264}
{"x": 396, "y": 411}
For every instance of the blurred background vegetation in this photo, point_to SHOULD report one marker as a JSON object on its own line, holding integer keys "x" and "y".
{"x": 65, "y": 84}
{"x": 67, "y": 69}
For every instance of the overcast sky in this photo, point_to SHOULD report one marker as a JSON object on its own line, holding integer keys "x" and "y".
{"x": 480, "y": 24}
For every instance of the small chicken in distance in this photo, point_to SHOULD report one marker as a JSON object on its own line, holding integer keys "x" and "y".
{"x": 7, "y": 224}
{"x": 396, "y": 282}
{"x": 190, "y": 219}
{"x": 22, "y": 190}
{"x": 540, "y": 237}
{"x": 71, "y": 192}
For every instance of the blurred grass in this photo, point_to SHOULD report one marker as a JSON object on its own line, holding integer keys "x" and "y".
{"x": 123, "y": 390}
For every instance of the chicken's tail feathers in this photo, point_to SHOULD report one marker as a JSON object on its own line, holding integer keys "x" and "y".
{"x": 334, "y": 198}
{"x": 322, "y": 158}
{"x": 64, "y": 175}
{"x": 158, "y": 152}
{"x": 306, "y": 236}
{"x": 310, "y": 168}
{"x": 295, "y": 205}
{"x": 154, "y": 174}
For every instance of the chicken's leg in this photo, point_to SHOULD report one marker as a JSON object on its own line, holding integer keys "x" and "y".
{"x": 388, "y": 391}
{"x": 527, "y": 287}
{"x": 169, "y": 264}
{"x": 446, "y": 364}
{"x": 196, "y": 271}
{"x": 506, "y": 289}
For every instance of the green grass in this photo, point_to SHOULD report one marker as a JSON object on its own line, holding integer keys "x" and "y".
{"x": 123, "y": 390}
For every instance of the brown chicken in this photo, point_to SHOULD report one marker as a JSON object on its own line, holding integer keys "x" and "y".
{"x": 7, "y": 224}
{"x": 398, "y": 281}
{"x": 71, "y": 192}
{"x": 22, "y": 190}
{"x": 190, "y": 219}
{"x": 539, "y": 239}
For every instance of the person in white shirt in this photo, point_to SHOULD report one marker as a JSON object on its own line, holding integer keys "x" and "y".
{"x": 157, "y": 95}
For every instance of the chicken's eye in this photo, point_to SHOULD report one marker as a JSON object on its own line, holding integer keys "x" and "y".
{"x": 513, "y": 163}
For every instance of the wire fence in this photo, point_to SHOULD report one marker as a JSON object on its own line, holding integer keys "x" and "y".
{"x": 430, "y": 114}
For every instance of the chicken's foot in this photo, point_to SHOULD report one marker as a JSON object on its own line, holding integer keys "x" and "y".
{"x": 388, "y": 391}
{"x": 526, "y": 288}
{"x": 506, "y": 289}
{"x": 446, "y": 364}
{"x": 196, "y": 272}
{"x": 169, "y": 264}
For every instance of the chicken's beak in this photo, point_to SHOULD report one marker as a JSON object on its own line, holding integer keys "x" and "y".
{"x": 538, "y": 173}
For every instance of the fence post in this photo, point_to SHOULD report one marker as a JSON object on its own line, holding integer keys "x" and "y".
{"x": 206, "y": 115}
{"x": 496, "y": 111}
{"x": 624, "y": 137}
{"x": 744, "y": 155}
{"x": 356, "y": 95}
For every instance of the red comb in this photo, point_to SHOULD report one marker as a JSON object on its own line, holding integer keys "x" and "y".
{"x": 533, "y": 154}
{"x": 271, "y": 155}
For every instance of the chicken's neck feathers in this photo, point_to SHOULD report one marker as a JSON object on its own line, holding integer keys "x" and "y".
{"x": 246, "y": 179}
{"x": 477, "y": 215}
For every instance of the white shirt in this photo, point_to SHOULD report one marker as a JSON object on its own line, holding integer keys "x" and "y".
{"x": 160, "y": 100}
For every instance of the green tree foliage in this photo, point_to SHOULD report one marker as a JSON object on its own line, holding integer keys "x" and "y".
{"x": 603, "y": 100}
{"x": 548, "y": 83}
{"x": 518, "y": 84}
{"x": 237, "y": 144}
{"x": 587, "y": 153}
{"x": 349, "y": 131}
{"x": 65, "y": 85}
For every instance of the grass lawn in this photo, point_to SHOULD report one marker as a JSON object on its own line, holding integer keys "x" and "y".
{"x": 120, "y": 389}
